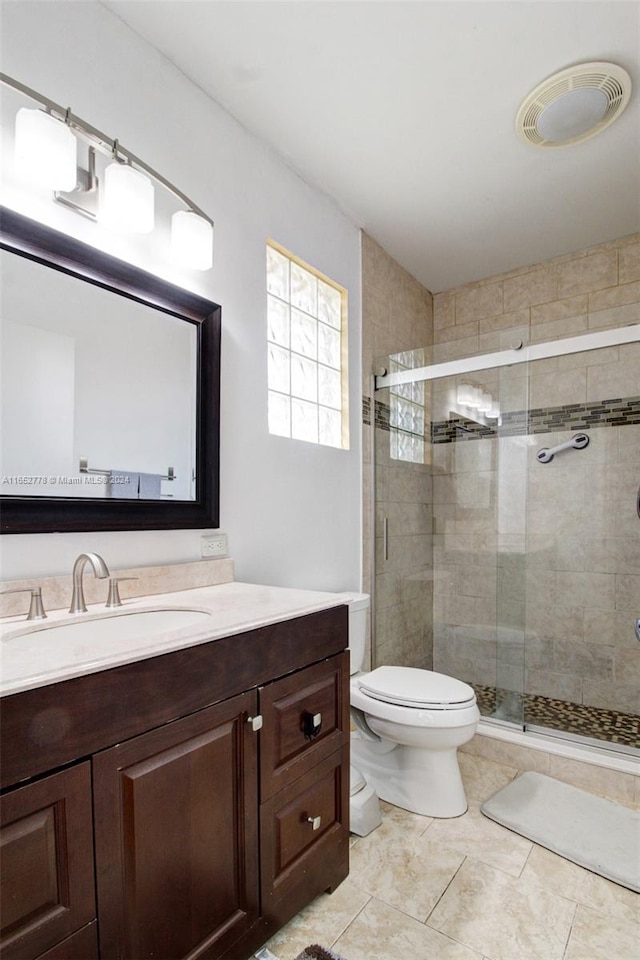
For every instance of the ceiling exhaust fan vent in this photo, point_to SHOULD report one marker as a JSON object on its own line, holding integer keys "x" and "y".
{"x": 573, "y": 105}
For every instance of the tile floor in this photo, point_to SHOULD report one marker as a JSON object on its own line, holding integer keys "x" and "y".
{"x": 465, "y": 889}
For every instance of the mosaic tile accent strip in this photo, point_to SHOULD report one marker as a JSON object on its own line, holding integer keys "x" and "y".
{"x": 382, "y": 415}
{"x": 616, "y": 412}
{"x": 576, "y": 718}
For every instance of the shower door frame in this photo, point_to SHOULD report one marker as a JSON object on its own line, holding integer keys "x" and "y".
{"x": 517, "y": 354}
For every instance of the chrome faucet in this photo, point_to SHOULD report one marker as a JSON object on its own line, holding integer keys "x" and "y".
{"x": 101, "y": 571}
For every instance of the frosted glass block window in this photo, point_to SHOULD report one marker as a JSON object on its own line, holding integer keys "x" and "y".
{"x": 304, "y": 334}
{"x": 407, "y": 415}
{"x": 278, "y": 321}
{"x": 279, "y": 414}
{"x": 306, "y": 351}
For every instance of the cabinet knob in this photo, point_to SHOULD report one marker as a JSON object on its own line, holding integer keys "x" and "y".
{"x": 315, "y": 822}
{"x": 311, "y": 723}
{"x": 256, "y": 723}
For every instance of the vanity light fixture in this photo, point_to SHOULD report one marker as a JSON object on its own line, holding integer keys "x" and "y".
{"x": 477, "y": 399}
{"x": 47, "y": 142}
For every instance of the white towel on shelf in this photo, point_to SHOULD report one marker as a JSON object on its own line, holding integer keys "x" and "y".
{"x": 150, "y": 486}
{"x": 122, "y": 485}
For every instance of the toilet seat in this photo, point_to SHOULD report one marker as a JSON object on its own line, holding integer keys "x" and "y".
{"x": 412, "y": 687}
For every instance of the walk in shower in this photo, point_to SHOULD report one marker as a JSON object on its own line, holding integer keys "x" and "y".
{"x": 507, "y": 529}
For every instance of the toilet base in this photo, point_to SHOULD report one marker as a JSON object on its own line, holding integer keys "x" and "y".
{"x": 364, "y": 811}
{"x": 427, "y": 782}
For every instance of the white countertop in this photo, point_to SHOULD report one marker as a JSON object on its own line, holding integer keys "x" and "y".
{"x": 30, "y": 659}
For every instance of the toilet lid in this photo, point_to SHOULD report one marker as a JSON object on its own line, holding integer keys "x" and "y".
{"x": 356, "y": 781}
{"x": 412, "y": 687}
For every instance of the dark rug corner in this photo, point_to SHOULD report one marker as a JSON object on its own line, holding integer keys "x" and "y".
{"x": 316, "y": 952}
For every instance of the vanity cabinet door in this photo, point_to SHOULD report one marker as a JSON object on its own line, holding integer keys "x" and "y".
{"x": 47, "y": 888}
{"x": 176, "y": 837}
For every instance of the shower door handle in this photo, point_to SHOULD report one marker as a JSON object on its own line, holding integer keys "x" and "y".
{"x": 385, "y": 538}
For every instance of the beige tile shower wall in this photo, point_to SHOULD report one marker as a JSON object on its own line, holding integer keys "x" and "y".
{"x": 583, "y": 568}
{"x": 580, "y": 573}
{"x": 589, "y": 290}
{"x": 397, "y": 315}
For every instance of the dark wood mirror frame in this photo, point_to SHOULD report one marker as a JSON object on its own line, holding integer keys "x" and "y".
{"x": 34, "y": 241}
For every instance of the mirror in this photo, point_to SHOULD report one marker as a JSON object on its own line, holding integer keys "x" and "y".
{"x": 109, "y": 392}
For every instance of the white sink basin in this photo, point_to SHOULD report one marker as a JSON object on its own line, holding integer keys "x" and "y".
{"x": 121, "y": 626}
{"x": 93, "y": 640}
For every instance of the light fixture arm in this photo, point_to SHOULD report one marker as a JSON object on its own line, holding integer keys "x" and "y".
{"x": 100, "y": 141}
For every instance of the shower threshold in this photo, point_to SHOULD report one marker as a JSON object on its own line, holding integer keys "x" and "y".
{"x": 592, "y": 726}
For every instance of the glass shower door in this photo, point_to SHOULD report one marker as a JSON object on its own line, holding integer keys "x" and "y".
{"x": 583, "y": 556}
{"x": 508, "y": 533}
{"x": 403, "y": 574}
{"x": 450, "y": 489}
{"x": 479, "y": 467}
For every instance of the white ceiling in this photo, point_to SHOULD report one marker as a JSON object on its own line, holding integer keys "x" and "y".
{"x": 404, "y": 113}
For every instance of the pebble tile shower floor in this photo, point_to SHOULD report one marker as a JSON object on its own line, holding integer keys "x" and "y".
{"x": 576, "y": 718}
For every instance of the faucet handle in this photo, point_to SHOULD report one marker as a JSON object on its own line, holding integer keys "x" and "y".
{"x": 113, "y": 597}
{"x": 36, "y": 609}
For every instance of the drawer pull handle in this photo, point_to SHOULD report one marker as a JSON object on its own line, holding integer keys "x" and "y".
{"x": 311, "y": 723}
{"x": 315, "y": 822}
{"x": 256, "y": 723}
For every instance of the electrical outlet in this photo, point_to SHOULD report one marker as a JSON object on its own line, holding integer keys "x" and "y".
{"x": 213, "y": 545}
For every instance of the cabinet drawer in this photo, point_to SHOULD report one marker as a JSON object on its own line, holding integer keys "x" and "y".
{"x": 291, "y": 744}
{"x": 47, "y": 862}
{"x": 305, "y": 834}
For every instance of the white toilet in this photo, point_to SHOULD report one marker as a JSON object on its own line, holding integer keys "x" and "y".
{"x": 364, "y": 808}
{"x": 410, "y": 723}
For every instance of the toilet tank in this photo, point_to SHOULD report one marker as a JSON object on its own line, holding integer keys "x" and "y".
{"x": 358, "y": 604}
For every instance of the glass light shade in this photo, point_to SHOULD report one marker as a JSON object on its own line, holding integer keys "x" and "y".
{"x": 464, "y": 394}
{"x": 485, "y": 401}
{"x": 127, "y": 199}
{"x": 192, "y": 240}
{"x": 45, "y": 150}
{"x": 474, "y": 397}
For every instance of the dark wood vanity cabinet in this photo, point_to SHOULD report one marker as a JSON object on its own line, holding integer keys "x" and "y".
{"x": 209, "y": 830}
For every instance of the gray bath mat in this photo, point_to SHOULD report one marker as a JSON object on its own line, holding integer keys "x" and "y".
{"x": 598, "y": 834}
